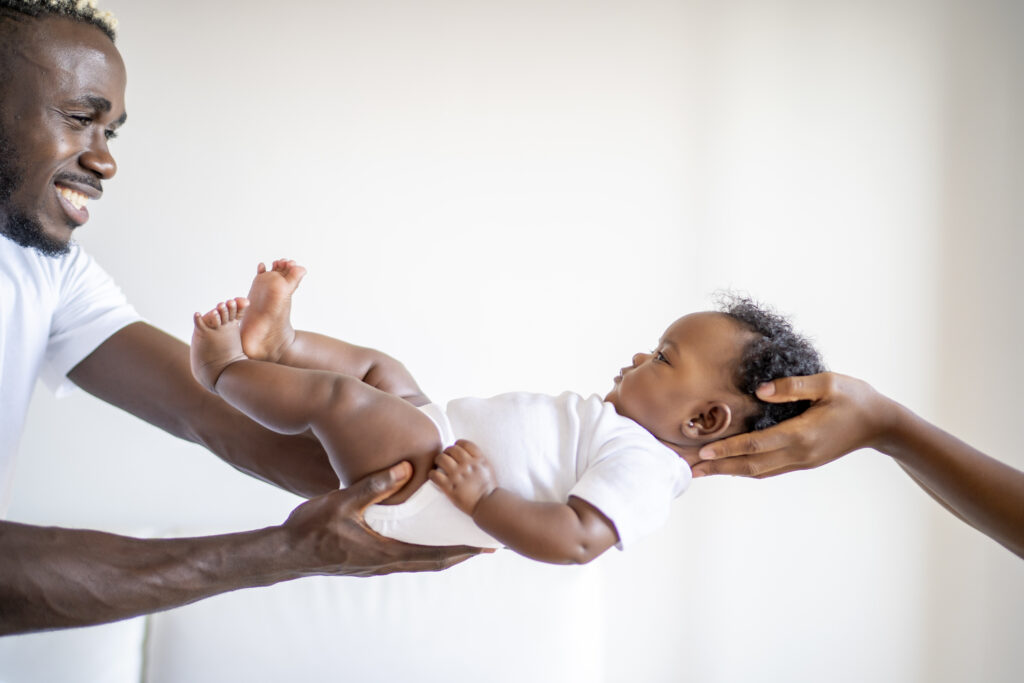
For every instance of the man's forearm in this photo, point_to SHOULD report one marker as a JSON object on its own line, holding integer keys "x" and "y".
{"x": 297, "y": 464}
{"x": 146, "y": 372}
{"x": 982, "y": 491}
{"x": 55, "y": 578}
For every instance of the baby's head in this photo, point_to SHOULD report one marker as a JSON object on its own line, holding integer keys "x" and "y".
{"x": 698, "y": 384}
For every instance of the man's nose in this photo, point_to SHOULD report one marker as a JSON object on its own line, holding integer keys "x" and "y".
{"x": 99, "y": 160}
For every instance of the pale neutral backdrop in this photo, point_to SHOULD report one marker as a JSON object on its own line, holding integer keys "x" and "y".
{"x": 520, "y": 195}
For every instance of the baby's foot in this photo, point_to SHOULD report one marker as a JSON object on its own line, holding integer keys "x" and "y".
{"x": 216, "y": 342}
{"x": 267, "y": 328}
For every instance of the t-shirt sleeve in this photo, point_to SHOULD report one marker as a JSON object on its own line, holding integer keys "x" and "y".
{"x": 92, "y": 308}
{"x": 633, "y": 486}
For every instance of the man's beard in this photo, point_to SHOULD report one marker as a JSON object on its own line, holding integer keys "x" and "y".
{"x": 17, "y": 225}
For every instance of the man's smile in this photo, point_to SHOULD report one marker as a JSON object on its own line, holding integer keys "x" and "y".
{"x": 73, "y": 193}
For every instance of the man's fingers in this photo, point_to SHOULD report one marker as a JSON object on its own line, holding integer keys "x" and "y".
{"x": 418, "y": 558}
{"x": 808, "y": 388}
{"x": 375, "y": 487}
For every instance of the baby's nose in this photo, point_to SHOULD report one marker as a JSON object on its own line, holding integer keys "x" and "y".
{"x": 639, "y": 358}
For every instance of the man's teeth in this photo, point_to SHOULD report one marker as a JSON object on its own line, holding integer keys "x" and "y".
{"x": 76, "y": 199}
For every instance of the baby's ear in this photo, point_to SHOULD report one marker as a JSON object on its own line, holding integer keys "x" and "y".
{"x": 710, "y": 424}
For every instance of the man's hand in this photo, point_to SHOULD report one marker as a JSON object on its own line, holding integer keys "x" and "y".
{"x": 464, "y": 475}
{"x": 330, "y": 531}
{"x": 54, "y": 578}
{"x": 846, "y": 414}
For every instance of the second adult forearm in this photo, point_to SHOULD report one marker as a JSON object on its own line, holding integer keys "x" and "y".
{"x": 984, "y": 492}
{"x": 55, "y": 578}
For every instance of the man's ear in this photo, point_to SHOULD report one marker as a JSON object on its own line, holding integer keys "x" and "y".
{"x": 709, "y": 424}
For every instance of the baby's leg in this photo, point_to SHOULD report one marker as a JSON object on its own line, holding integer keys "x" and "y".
{"x": 362, "y": 428}
{"x": 216, "y": 342}
{"x": 267, "y": 331}
{"x": 267, "y": 334}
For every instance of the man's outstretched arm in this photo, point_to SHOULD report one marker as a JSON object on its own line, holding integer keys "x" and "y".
{"x": 847, "y": 414}
{"x": 55, "y": 578}
{"x": 146, "y": 372}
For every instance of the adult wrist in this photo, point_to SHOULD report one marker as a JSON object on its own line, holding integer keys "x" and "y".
{"x": 893, "y": 433}
{"x": 274, "y": 555}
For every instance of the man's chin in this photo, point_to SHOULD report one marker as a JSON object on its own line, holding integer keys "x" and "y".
{"x": 30, "y": 233}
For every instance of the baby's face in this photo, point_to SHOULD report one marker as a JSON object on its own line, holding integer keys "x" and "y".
{"x": 683, "y": 391}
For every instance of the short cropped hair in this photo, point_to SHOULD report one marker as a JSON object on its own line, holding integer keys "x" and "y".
{"x": 84, "y": 11}
{"x": 775, "y": 351}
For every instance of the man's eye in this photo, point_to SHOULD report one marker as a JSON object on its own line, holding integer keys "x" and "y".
{"x": 82, "y": 120}
{"x": 110, "y": 134}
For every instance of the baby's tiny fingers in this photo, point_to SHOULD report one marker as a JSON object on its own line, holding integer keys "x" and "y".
{"x": 446, "y": 462}
{"x": 469, "y": 447}
{"x": 441, "y": 479}
{"x": 457, "y": 453}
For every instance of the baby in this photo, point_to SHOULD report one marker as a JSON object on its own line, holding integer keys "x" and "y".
{"x": 556, "y": 478}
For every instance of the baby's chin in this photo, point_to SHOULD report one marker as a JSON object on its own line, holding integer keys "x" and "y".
{"x": 613, "y": 397}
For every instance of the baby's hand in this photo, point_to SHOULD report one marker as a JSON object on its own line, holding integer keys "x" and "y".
{"x": 464, "y": 474}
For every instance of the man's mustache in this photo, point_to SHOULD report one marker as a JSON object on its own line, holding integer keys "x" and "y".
{"x": 81, "y": 179}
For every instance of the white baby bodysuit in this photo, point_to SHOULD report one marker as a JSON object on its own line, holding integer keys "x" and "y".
{"x": 546, "y": 448}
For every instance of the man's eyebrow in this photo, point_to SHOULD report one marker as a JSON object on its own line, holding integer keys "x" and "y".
{"x": 94, "y": 102}
{"x": 100, "y": 104}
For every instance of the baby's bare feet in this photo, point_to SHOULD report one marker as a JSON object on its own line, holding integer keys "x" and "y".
{"x": 267, "y": 329}
{"x": 216, "y": 342}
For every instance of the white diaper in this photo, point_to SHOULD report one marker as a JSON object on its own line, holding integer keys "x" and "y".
{"x": 428, "y": 517}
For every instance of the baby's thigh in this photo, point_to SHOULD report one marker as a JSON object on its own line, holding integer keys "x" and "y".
{"x": 364, "y": 430}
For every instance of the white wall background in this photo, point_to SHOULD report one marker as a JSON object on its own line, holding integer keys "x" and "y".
{"x": 519, "y": 195}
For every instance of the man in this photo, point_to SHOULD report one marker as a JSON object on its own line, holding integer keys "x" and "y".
{"x": 62, "y": 85}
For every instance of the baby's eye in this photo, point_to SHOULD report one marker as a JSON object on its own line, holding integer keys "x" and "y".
{"x": 660, "y": 357}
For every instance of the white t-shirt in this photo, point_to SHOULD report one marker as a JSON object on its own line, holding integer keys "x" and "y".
{"x": 546, "y": 448}
{"x": 53, "y": 313}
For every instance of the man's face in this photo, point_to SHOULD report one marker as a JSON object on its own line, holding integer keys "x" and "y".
{"x": 61, "y": 105}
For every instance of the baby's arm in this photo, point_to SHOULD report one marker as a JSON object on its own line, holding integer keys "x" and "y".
{"x": 561, "y": 533}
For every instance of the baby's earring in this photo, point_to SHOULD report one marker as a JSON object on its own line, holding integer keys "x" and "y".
{"x": 690, "y": 424}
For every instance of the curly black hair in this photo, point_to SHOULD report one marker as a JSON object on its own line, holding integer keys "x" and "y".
{"x": 84, "y": 11}
{"x": 776, "y": 351}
